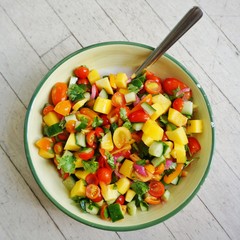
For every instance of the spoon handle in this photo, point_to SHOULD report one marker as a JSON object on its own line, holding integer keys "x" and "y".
{"x": 191, "y": 17}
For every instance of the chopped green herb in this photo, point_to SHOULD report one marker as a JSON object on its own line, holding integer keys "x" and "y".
{"x": 97, "y": 121}
{"x": 140, "y": 187}
{"x": 66, "y": 163}
{"x": 90, "y": 166}
{"x": 76, "y": 92}
{"x": 110, "y": 159}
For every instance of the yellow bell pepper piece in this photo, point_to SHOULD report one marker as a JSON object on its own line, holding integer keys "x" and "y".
{"x": 176, "y": 117}
{"x": 152, "y": 130}
{"x": 102, "y": 105}
{"x": 194, "y": 126}
{"x": 51, "y": 118}
{"x": 178, "y": 136}
{"x": 45, "y": 154}
{"x": 107, "y": 142}
{"x": 179, "y": 153}
{"x": 147, "y": 140}
{"x": 81, "y": 174}
{"x": 93, "y": 76}
{"x": 168, "y": 179}
{"x": 123, "y": 184}
{"x": 127, "y": 168}
{"x": 130, "y": 195}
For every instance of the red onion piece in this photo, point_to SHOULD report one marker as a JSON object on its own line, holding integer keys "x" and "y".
{"x": 93, "y": 91}
{"x": 140, "y": 169}
{"x": 137, "y": 101}
{"x": 182, "y": 91}
{"x": 129, "y": 80}
{"x": 168, "y": 163}
{"x": 116, "y": 170}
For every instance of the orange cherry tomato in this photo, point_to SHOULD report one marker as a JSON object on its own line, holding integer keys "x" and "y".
{"x": 70, "y": 126}
{"x": 159, "y": 169}
{"x": 152, "y": 200}
{"x": 59, "y": 92}
{"x": 58, "y": 147}
{"x": 89, "y": 112}
{"x": 63, "y": 107}
{"x": 118, "y": 100}
{"x": 153, "y": 87}
{"x": 45, "y": 143}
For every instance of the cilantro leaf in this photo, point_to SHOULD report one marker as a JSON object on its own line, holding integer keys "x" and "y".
{"x": 90, "y": 166}
{"x": 140, "y": 187}
{"x": 110, "y": 159}
{"x": 76, "y": 92}
{"x": 97, "y": 121}
{"x": 67, "y": 163}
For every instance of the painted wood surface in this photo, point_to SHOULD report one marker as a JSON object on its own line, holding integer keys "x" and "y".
{"x": 35, "y": 35}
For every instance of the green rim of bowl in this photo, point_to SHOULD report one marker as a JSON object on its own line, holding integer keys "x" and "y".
{"x": 99, "y": 226}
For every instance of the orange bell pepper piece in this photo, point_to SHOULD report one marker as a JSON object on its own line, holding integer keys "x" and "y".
{"x": 168, "y": 179}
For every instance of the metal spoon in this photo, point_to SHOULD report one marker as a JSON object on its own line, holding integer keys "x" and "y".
{"x": 191, "y": 17}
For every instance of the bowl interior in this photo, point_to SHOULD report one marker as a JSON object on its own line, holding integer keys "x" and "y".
{"x": 112, "y": 58}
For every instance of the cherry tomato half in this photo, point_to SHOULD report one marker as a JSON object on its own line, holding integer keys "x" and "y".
{"x": 92, "y": 178}
{"x": 93, "y": 192}
{"x": 178, "y": 104}
{"x": 86, "y": 154}
{"x": 83, "y": 81}
{"x": 121, "y": 200}
{"x": 59, "y": 92}
{"x": 91, "y": 138}
{"x": 104, "y": 175}
{"x": 153, "y": 87}
{"x": 105, "y": 119}
{"x": 99, "y": 132}
{"x": 70, "y": 126}
{"x": 156, "y": 189}
{"x": 47, "y": 109}
{"x": 193, "y": 145}
{"x": 81, "y": 72}
{"x": 118, "y": 100}
{"x": 138, "y": 116}
{"x": 104, "y": 212}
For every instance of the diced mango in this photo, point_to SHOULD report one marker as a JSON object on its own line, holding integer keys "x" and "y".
{"x": 109, "y": 192}
{"x": 179, "y": 153}
{"x": 123, "y": 184}
{"x": 160, "y": 109}
{"x": 152, "y": 130}
{"x": 163, "y": 101}
{"x": 121, "y": 80}
{"x": 147, "y": 140}
{"x": 81, "y": 174}
{"x": 93, "y": 76}
{"x": 107, "y": 142}
{"x": 102, "y": 105}
{"x": 123, "y": 91}
{"x": 127, "y": 168}
{"x": 79, "y": 104}
{"x": 104, "y": 83}
{"x": 177, "y": 136}
{"x": 51, "y": 118}
{"x": 71, "y": 143}
{"x": 130, "y": 195}
{"x": 176, "y": 117}
{"x": 112, "y": 80}
{"x": 79, "y": 189}
{"x": 45, "y": 154}
{"x": 194, "y": 126}
{"x": 78, "y": 162}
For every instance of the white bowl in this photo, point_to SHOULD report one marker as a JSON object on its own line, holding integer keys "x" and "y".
{"x": 112, "y": 57}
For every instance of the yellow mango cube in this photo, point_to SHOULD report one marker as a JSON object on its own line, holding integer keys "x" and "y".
{"x": 121, "y": 80}
{"x": 160, "y": 109}
{"x": 194, "y": 126}
{"x": 104, "y": 83}
{"x": 123, "y": 91}
{"x": 163, "y": 101}
{"x": 45, "y": 154}
{"x": 152, "y": 130}
{"x": 78, "y": 189}
{"x": 127, "y": 168}
{"x": 93, "y": 76}
{"x": 130, "y": 195}
{"x": 123, "y": 184}
{"x": 81, "y": 174}
{"x": 147, "y": 140}
{"x": 102, "y": 105}
{"x": 71, "y": 144}
{"x": 179, "y": 153}
{"x": 107, "y": 142}
{"x": 109, "y": 192}
{"x": 112, "y": 80}
{"x": 177, "y": 136}
{"x": 51, "y": 118}
{"x": 176, "y": 117}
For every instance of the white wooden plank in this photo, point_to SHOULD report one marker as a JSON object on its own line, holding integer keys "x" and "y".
{"x": 38, "y": 22}
{"x": 89, "y": 23}
{"x": 15, "y": 53}
{"x": 60, "y": 51}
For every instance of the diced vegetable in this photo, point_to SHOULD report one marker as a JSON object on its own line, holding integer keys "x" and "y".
{"x": 102, "y": 105}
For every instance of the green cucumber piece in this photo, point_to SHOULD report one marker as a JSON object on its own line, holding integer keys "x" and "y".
{"x": 187, "y": 108}
{"x": 115, "y": 212}
{"x": 103, "y": 94}
{"x": 175, "y": 181}
{"x": 80, "y": 139}
{"x": 70, "y": 117}
{"x": 130, "y": 97}
{"x": 54, "y": 130}
{"x": 158, "y": 160}
{"x": 87, "y": 95}
{"x": 156, "y": 149}
{"x": 73, "y": 80}
{"x": 80, "y": 125}
{"x": 166, "y": 195}
{"x": 148, "y": 108}
{"x": 92, "y": 208}
{"x": 137, "y": 126}
{"x": 132, "y": 208}
{"x": 69, "y": 182}
{"x": 144, "y": 206}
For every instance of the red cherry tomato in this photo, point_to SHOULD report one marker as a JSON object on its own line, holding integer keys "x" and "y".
{"x": 118, "y": 100}
{"x": 63, "y": 136}
{"x": 154, "y": 78}
{"x": 193, "y": 145}
{"x": 138, "y": 116}
{"x": 178, "y": 104}
{"x": 91, "y": 138}
{"x": 92, "y": 178}
{"x": 93, "y": 192}
{"x": 156, "y": 189}
{"x": 47, "y": 109}
{"x": 104, "y": 212}
{"x": 153, "y": 87}
{"x": 105, "y": 119}
{"x": 121, "y": 200}
{"x": 83, "y": 81}
{"x": 81, "y": 72}
{"x": 59, "y": 92}
{"x": 171, "y": 85}
{"x": 99, "y": 132}
{"x": 86, "y": 154}
{"x": 104, "y": 175}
